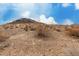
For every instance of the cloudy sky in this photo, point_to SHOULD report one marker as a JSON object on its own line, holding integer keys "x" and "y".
{"x": 49, "y": 13}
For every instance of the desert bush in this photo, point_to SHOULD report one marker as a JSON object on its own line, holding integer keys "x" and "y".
{"x": 6, "y": 26}
{"x": 43, "y": 31}
{"x": 11, "y": 26}
{"x": 30, "y": 27}
{"x": 26, "y": 28}
{"x": 58, "y": 30}
{"x": 4, "y": 45}
{"x": 33, "y": 29}
{"x": 73, "y": 32}
{"x": 68, "y": 27}
{"x": 22, "y": 26}
{"x": 3, "y": 36}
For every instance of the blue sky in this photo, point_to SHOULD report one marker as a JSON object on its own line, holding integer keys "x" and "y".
{"x": 49, "y": 13}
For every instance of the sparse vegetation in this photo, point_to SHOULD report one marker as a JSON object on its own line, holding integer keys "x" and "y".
{"x": 43, "y": 31}
{"x": 3, "y": 45}
{"x": 73, "y": 32}
{"x": 2, "y": 38}
{"x": 26, "y": 28}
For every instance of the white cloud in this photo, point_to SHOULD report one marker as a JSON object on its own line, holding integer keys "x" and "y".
{"x": 25, "y": 14}
{"x": 45, "y": 20}
{"x": 51, "y": 20}
{"x": 65, "y": 4}
{"x": 42, "y": 18}
{"x": 68, "y": 22}
{"x": 76, "y": 5}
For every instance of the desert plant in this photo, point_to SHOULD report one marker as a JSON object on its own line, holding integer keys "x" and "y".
{"x": 2, "y": 38}
{"x": 6, "y": 26}
{"x": 3, "y": 45}
{"x": 26, "y": 28}
{"x": 73, "y": 32}
{"x": 43, "y": 31}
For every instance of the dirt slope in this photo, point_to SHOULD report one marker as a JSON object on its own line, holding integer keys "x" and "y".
{"x": 16, "y": 40}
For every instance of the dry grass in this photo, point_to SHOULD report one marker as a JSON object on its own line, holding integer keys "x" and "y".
{"x": 73, "y": 32}
{"x": 43, "y": 31}
{"x": 3, "y": 38}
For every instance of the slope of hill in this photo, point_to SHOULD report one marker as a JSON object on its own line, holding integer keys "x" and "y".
{"x": 28, "y": 37}
{"x": 23, "y": 20}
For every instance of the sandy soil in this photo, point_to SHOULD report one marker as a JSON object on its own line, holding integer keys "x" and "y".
{"x": 27, "y": 43}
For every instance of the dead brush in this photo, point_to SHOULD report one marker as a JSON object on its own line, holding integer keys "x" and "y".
{"x": 43, "y": 31}
{"x": 3, "y": 40}
{"x": 73, "y": 32}
{"x": 3, "y": 36}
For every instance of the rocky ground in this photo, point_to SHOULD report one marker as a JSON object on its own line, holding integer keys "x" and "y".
{"x": 30, "y": 38}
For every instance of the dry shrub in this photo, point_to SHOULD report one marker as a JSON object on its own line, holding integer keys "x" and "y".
{"x": 3, "y": 43}
{"x": 6, "y": 27}
{"x": 30, "y": 27}
{"x": 3, "y": 36}
{"x": 33, "y": 27}
{"x": 22, "y": 26}
{"x": 58, "y": 29}
{"x": 26, "y": 28}
{"x": 11, "y": 26}
{"x": 43, "y": 31}
{"x": 73, "y": 32}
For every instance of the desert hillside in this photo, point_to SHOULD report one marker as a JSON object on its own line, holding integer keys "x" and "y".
{"x": 25, "y": 37}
